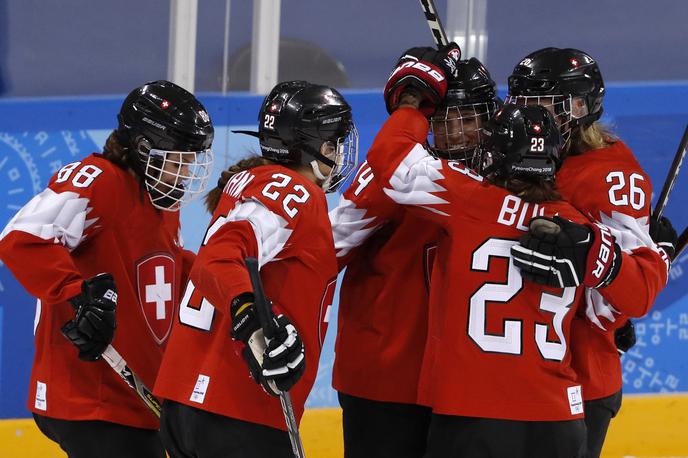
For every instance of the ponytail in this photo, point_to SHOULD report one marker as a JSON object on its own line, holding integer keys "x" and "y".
{"x": 212, "y": 199}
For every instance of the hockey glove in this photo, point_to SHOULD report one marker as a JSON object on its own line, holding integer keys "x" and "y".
{"x": 93, "y": 328}
{"x": 558, "y": 252}
{"x": 277, "y": 365}
{"x": 424, "y": 70}
{"x": 664, "y": 235}
{"x": 624, "y": 337}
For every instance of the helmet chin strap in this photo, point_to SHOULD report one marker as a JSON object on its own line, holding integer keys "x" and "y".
{"x": 324, "y": 180}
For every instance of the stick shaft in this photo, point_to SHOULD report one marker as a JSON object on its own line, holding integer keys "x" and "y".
{"x": 436, "y": 28}
{"x": 671, "y": 176}
{"x": 681, "y": 243}
{"x": 119, "y": 365}
{"x": 264, "y": 312}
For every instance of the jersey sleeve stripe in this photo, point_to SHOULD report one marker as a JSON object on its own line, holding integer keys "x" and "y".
{"x": 630, "y": 234}
{"x": 414, "y": 182}
{"x": 61, "y": 217}
{"x": 269, "y": 228}
{"x": 350, "y": 227}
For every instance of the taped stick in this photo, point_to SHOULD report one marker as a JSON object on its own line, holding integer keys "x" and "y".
{"x": 436, "y": 28}
{"x": 119, "y": 365}
{"x": 265, "y": 316}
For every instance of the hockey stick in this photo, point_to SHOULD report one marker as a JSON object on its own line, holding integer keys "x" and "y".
{"x": 119, "y": 365}
{"x": 671, "y": 176}
{"x": 438, "y": 33}
{"x": 265, "y": 316}
{"x": 681, "y": 243}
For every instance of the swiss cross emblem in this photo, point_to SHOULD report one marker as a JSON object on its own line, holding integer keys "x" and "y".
{"x": 155, "y": 277}
{"x": 165, "y": 104}
{"x": 325, "y": 309}
{"x": 537, "y": 128}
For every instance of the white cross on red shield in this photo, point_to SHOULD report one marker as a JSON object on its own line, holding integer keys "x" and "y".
{"x": 155, "y": 278}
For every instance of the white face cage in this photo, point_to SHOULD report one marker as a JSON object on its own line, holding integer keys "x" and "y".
{"x": 558, "y": 105}
{"x": 175, "y": 178}
{"x": 456, "y": 131}
{"x": 345, "y": 156}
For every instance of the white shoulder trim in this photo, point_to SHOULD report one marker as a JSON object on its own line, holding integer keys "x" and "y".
{"x": 349, "y": 226}
{"x": 269, "y": 228}
{"x": 630, "y": 233}
{"x": 60, "y": 217}
{"x": 414, "y": 181}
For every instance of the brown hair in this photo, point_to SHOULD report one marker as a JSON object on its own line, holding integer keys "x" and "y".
{"x": 213, "y": 197}
{"x": 595, "y": 136}
{"x": 534, "y": 190}
{"x": 123, "y": 156}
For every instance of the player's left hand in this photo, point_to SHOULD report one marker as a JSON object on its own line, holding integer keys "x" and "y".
{"x": 93, "y": 328}
{"x": 558, "y": 252}
{"x": 664, "y": 235}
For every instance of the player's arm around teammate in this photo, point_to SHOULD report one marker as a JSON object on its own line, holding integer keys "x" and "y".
{"x": 484, "y": 321}
{"x": 100, "y": 249}
{"x": 219, "y": 377}
{"x": 600, "y": 177}
{"x": 388, "y": 254}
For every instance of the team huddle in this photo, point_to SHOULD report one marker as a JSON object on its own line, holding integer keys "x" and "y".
{"x": 493, "y": 252}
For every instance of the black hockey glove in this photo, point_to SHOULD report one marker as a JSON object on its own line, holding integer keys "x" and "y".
{"x": 664, "y": 235}
{"x": 277, "y": 365}
{"x": 624, "y": 337}
{"x": 558, "y": 252}
{"x": 93, "y": 328}
{"x": 426, "y": 70}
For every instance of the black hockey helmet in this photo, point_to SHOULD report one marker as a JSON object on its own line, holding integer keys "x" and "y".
{"x": 170, "y": 133}
{"x": 556, "y": 76}
{"x": 297, "y": 118}
{"x": 167, "y": 116}
{"x": 470, "y": 101}
{"x": 522, "y": 141}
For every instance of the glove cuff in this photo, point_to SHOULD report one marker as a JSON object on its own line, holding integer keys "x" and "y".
{"x": 242, "y": 314}
{"x": 614, "y": 269}
{"x": 78, "y": 301}
{"x": 240, "y": 303}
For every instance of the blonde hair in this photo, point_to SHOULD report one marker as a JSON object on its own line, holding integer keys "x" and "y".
{"x": 595, "y": 136}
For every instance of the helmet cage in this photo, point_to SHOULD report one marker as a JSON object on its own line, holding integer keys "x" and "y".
{"x": 343, "y": 164}
{"x": 175, "y": 178}
{"x": 559, "y": 106}
{"x": 459, "y": 129}
{"x": 521, "y": 145}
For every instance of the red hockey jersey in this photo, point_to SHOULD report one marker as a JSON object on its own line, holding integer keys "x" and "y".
{"x": 383, "y": 302}
{"x": 609, "y": 186}
{"x": 93, "y": 218}
{"x": 497, "y": 346}
{"x": 279, "y": 217}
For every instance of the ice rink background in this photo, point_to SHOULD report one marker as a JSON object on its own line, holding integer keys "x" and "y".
{"x": 38, "y": 136}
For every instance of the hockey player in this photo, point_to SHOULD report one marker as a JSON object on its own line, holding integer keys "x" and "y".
{"x": 600, "y": 177}
{"x": 273, "y": 208}
{"x": 388, "y": 254}
{"x": 492, "y": 337}
{"x": 100, "y": 249}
